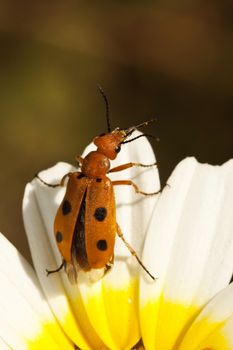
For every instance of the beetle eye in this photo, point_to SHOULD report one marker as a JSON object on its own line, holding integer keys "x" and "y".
{"x": 117, "y": 149}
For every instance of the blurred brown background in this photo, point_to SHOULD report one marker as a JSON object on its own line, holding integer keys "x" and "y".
{"x": 170, "y": 59}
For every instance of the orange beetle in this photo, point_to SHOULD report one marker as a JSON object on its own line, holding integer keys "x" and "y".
{"x": 85, "y": 224}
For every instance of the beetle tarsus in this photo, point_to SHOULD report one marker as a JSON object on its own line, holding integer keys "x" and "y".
{"x": 61, "y": 183}
{"x": 49, "y": 272}
{"x": 109, "y": 265}
{"x": 137, "y": 190}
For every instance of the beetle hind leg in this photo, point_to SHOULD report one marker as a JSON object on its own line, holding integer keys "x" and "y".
{"x": 109, "y": 265}
{"x": 133, "y": 252}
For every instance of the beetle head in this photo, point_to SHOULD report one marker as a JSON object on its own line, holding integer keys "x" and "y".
{"x": 110, "y": 143}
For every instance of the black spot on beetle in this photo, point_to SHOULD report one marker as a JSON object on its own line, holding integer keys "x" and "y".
{"x": 98, "y": 179}
{"x": 100, "y": 213}
{"x": 66, "y": 207}
{"x": 102, "y": 244}
{"x": 80, "y": 176}
{"x": 59, "y": 237}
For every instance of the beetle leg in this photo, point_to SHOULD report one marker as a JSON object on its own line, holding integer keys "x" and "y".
{"x": 133, "y": 252}
{"x": 109, "y": 264}
{"x": 61, "y": 183}
{"x": 79, "y": 160}
{"x": 137, "y": 190}
{"x": 56, "y": 270}
{"x": 130, "y": 165}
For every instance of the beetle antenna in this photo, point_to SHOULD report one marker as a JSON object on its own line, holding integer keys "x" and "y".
{"x": 137, "y": 137}
{"x": 106, "y": 105}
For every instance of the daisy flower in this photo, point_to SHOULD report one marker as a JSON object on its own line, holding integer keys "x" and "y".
{"x": 185, "y": 239}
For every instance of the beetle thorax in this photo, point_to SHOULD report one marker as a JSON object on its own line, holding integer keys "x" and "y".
{"x": 95, "y": 164}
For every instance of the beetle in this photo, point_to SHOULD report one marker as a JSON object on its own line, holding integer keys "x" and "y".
{"x": 85, "y": 225}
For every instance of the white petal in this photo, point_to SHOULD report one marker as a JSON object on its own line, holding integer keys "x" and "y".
{"x": 25, "y": 318}
{"x": 189, "y": 248}
{"x": 4, "y": 345}
{"x": 213, "y": 328}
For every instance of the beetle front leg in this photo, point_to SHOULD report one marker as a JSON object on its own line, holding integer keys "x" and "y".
{"x": 130, "y": 165}
{"x": 137, "y": 190}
